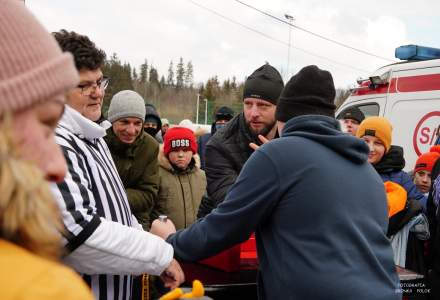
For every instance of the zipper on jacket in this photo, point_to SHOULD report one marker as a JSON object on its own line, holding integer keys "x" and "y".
{"x": 184, "y": 202}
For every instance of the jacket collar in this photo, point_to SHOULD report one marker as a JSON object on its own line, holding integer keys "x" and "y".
{"x": 237, "y": 127}
{"x": 165, "y": 163}
{"x": 80, "y": 125}
{"x": 393, "y": 161}
{"x": 115, "y": 144}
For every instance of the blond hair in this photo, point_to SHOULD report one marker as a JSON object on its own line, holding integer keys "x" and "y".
{"x": 28, "y": 213}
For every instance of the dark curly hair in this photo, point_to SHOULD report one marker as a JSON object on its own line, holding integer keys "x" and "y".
{"x": 84, "y": 51}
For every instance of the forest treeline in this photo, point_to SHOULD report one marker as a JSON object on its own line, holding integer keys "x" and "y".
{"x": 175, "y": 94}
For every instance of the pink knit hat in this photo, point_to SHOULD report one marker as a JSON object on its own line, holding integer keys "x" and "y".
{"x": 32, "y": 66}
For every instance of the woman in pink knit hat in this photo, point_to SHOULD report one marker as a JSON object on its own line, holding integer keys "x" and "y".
{"x": 34, "y": 76}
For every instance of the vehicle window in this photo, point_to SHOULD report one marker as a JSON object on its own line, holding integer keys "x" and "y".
{"x": 369, "y": 110}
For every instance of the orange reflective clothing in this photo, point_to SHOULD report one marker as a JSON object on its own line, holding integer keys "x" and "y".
{"x": 396, "y": 197}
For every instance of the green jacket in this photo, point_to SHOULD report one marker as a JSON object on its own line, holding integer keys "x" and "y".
{"x": 138, "y": 168}
{"x": 180, "y": 192}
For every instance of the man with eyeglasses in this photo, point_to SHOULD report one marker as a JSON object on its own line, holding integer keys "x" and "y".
{"x": 104, "y": 242}
{"x": 93, "y": 91}
{"x": 87, "y": 98}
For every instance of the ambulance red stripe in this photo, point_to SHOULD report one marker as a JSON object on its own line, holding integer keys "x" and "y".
{"x": 406, "y": 84}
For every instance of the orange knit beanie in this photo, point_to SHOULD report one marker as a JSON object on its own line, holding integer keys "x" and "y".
{"x": 378, "y": 127}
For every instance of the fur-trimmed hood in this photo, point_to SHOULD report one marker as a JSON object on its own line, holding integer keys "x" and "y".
{"x": 165, "y": 163}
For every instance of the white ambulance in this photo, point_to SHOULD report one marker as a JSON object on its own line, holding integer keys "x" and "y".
{"x": 408, "y": 94}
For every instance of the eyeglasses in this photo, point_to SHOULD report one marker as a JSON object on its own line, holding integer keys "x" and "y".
{"x": 89, "y": 88}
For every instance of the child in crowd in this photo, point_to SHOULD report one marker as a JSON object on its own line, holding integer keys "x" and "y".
{"x": 408, "y": 227}
{"x": 182, "y": 182}
{"x": 423, "y": 169}
{"x": 387, "y": 159}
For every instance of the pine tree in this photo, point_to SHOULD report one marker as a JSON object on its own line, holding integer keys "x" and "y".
{"x": 143, "y": 72}
{"x": 189, "y": 75}
{"x": 120, "y": 78}
{"x": 180, "y": 74}
{"x": 154, "y": 75}
{"x": 234, "y": 83}
{"x": 170, "y": 78}
{"x": 114, "y": 59}
{"x": 212, "y": 89}
{"x": 226, "y": 86}
{"x": 127, "y": 70}
{"x": 135, "y": 75}
{"x": 162, "y": 81}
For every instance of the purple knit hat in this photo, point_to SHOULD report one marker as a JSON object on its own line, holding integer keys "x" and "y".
{"x": 32, "y": 66}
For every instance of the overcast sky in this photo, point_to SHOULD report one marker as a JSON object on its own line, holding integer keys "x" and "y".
{"x": 165, "y": 30}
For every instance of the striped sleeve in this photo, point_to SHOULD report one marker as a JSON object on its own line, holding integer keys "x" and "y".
{"x": 75, "y": 197}
{"x": 105, "y": 244}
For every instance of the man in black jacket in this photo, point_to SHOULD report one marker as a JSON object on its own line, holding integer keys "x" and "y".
{"x": 222, "y": 116}
{"x": 228, "y": 150}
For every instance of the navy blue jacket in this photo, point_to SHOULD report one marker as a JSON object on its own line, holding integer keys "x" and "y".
{"x": 319, "y": 212}
{"x": 390, "y": 168}
{"x": 402, "y": 178}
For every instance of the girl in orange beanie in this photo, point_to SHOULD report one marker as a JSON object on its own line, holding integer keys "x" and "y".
{"x": 386, "y": 158}
{"x": 405, "y": 201}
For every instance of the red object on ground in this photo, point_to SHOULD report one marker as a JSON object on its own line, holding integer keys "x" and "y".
{"x": 234, "y": 258}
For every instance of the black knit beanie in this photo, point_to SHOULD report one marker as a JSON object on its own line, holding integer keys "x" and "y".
{"x": 310, "y": 92}
{"x": 224, "y": 113}
{"x": 352, "y": 113}
{"x": 265, "y": 84}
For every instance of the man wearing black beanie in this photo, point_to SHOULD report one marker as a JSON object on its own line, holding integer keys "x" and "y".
{"x": 319, "y": 235}
{"x": 221, "y": 117}
{"x": 351, "y": 117}
{"x": 227, "y": 150}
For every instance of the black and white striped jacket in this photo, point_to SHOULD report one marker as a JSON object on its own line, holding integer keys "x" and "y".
{"x": 105, "y": 242}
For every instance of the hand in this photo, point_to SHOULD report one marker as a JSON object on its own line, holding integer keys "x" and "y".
{"x": 162, "y": 229}
{"x": 173, "y": 275}
{"x": 263, "y": 140}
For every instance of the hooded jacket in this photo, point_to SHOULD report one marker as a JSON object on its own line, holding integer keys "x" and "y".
{"x": 223, "y": 113}
{"x": 139, "y": 171}
{"x": 151, "y": 112}
{"x": 180, "y": 192}
{"x": 319, "y": 211}
{"x": 390, "y": 168}
{"x": 225, "y": 154}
